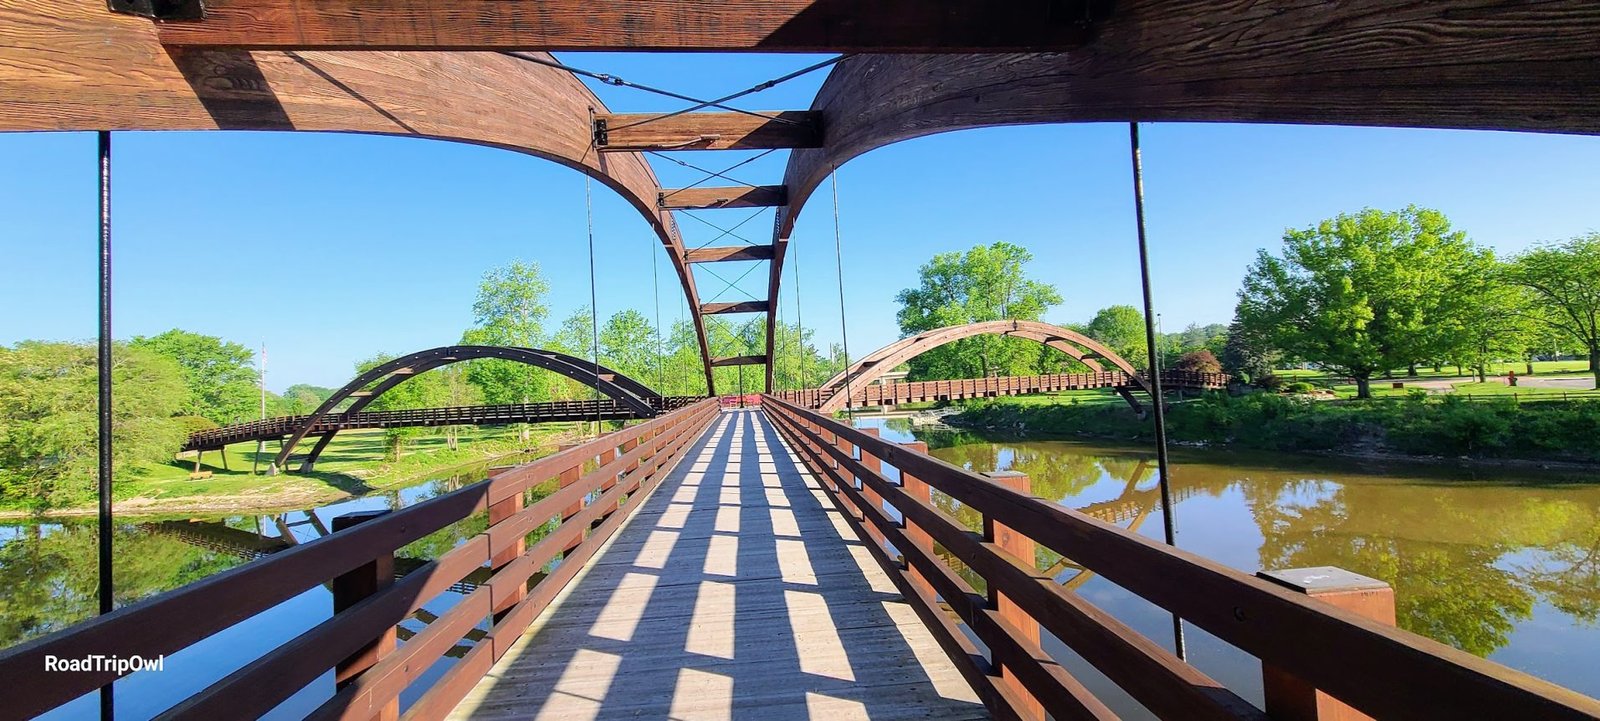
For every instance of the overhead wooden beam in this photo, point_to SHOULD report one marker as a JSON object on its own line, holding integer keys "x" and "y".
{"x": 749, "y": 306}
{"x": 727, "y": 254}
{"x": 762, "y": 196}
{"x": 884, "y": 26}
{"x": 742, "y": 360}
{"x": 620, "y": 132}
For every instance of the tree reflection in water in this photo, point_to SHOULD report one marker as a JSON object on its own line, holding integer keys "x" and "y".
{"x": 1469, "y": 559}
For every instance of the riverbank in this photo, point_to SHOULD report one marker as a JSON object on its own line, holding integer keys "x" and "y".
{"x": 1542, "y": 433}
{"x": 353, "y": 466}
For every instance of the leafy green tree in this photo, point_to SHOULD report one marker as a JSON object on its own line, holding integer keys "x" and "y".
{"x": 575, "y": 338}
{"x": 1246, "y": 356}
{"x": 302, "y": 399}
{"x": 1565, "y": 277}
{"x": 1121, "y": 328}
{"x": 220, "y": 376}
{"x": 1492, "y": 323}
{"x": 985, "y": 283}
{"x": 628, "y": 345}
{"x": 1361, "y": 294}
{"x": 48, "y": 417}
{"x": 510, "y": 311}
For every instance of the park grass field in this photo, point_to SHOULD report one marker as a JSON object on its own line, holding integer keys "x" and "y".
{"x": 354, "y": 464}
{"x": 1429, "y": 379}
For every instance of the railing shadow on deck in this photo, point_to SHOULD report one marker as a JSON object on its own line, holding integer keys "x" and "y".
{"x": 735, "y": 592}
{"x": 358, "y": 641}
{"x": 1376, "y": 669}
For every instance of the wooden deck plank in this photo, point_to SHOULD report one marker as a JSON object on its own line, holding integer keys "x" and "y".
{"x": 735, "y": 591}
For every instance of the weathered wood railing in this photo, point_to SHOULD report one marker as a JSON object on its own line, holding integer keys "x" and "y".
{"x": 1377, "y": 669}
{"x": 357, "y": 640}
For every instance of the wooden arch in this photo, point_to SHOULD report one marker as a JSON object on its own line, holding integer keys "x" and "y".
{"x": 368, "y": 386}
{"x": 872, "y": 367}
{"x": 1466, "y": 64}
{"x": 73, "y": 65}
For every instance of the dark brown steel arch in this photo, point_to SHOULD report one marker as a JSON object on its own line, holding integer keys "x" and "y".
{"x": 627, "y": 391}
{"x": 74, "y": 65}
{"x": 872, "y": 367}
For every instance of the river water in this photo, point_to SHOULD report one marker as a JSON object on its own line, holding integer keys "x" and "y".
{"x": 1504, "y": 564}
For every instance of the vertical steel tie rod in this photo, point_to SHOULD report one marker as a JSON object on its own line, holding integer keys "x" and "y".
{"x": 1168, "y": 517}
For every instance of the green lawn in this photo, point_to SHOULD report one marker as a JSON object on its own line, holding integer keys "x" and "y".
{"x": 354, "y": 463}
{"x": 1463, "y": 384}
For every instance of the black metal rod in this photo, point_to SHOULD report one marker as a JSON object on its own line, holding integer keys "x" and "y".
{"x": 103, "y": 369}
{"x": 1169, "y": 521}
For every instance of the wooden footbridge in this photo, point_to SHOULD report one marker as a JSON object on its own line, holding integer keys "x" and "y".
{"x": 276, "y": 429}
{"x": 769, "y": 561}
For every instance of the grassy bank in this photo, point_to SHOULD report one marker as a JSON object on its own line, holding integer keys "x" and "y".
{"x": 356, "y": 463}
{"x": 1436, "y": 426}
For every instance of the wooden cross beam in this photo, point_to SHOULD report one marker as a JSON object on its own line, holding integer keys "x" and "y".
{"x": 743, "y": 360}
{"x": 762, "y": 196}
{"x": 625, "y": 132}
{"x": 749, "y": 306}
{"x": 729, "y": 253}
{"x": 812, "y": 26}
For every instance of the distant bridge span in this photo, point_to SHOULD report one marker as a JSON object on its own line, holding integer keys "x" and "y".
{"x": 367, "y": 387}
{"x": 855, "y": 384}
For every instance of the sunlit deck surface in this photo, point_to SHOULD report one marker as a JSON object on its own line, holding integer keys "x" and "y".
{"x": 736, "y": 591}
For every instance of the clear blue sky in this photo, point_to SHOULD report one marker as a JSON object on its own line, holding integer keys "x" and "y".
{"x": 331, "y": 248}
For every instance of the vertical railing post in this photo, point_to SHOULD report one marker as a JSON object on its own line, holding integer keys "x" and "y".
{"x": 500, "y": 511}
{"x": 1022, "y": 547}
{"x": 919, "y": 538}
{"x": 349, "y": 589}
{"x": 566, "y": 478}
{"x": 1290, "y": 698}
{"x": 606, "y": 456}
{"x": 848, "y": 450}
{"x": 874, "y": 464}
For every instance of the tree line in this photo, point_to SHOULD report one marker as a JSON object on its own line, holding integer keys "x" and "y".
{"x": 990, "y": 282}
{"x": 1368, "y": 294}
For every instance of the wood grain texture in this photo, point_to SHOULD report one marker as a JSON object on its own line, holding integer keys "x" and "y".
{"x": 734, "y": 590}
{"x": 1399, "y": 674}
{"x": 765, "y": 196}
{"x": 1471, "y": 64}
{"x": 768, "y": 25}
{"x": 72, "y": 65}
{"x": 710, "y": 131}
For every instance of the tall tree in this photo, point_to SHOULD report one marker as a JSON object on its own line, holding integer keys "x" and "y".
{"x": 510, "y": 310}
{"x": 1566, "y": 279}
{"x": 48, "y": 418}
{"x": 220, "y": 376}
{"x": 1356, "y": 294}
{"x": 1121, "y": 328}
{"x": 987, "y": 282}
{"x": 628, "y": 345}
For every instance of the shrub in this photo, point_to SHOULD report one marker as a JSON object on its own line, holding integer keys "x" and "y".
{"x": 1300, "y": 387}
{"x": 1199, "y": 361}
{"x": 1270, "y": 381}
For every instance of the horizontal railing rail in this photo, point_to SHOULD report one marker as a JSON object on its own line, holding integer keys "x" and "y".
{"x": 605, "y": 409}
{"x": 622, "y": 467}
{"x": 1377, "y": 669}
{"x": 900, "y": 392}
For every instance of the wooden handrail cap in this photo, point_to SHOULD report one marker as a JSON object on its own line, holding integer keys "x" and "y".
{"x": 1322, "y": 579}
